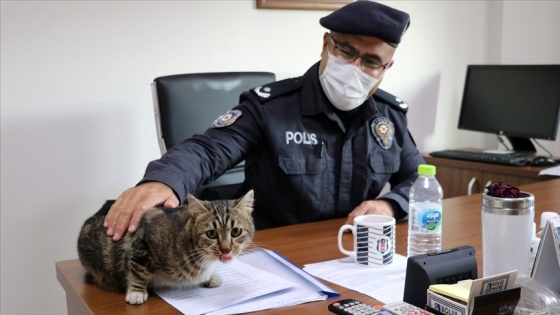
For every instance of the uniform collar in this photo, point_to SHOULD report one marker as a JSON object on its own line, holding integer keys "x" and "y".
{"x": 314, "y": 99}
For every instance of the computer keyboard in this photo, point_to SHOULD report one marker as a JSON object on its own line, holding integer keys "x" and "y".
{"x": 514, "y": 158}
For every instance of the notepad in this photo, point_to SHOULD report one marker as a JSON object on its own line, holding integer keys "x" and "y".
{"x": 459, "y": 291}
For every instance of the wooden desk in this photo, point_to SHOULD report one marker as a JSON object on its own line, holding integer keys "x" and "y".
{"x": 303, "y": 244}
{"x": 455, "y": 176}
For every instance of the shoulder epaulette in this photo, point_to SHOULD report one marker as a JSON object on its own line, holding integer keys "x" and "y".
{"x": 392, "y": 100}
{"x": 272, "y": 90}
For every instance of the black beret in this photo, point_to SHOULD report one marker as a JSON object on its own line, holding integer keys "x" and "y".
{"x": 370, "y": 19}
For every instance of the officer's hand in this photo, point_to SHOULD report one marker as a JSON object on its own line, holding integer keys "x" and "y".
{"x": 128, "y": 209}
{"x": 370, "y": 207}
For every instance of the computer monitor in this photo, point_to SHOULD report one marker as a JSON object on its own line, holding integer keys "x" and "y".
{"x": 521, "y": 102}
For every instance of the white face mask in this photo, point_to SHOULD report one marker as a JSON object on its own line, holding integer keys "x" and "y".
{"x": 345, "y": 85}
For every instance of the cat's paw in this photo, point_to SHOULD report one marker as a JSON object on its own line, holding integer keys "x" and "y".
{"x": 136, "y": 297}
{"x": 215, "y": 281}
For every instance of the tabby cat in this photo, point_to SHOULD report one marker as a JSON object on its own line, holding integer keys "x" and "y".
{"x": 179, "y": 247}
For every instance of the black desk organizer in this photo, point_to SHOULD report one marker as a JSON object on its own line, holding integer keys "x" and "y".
{"x": 445, "y": 267}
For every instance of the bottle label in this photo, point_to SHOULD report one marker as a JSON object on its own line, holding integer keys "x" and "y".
{"x": 429, "y": 219}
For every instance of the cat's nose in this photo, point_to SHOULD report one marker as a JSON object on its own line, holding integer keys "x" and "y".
{"x": 226, "y": 254}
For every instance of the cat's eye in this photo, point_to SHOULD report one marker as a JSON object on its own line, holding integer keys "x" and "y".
{"x": 235, "y": 232}
{"x": 212, "y": 234}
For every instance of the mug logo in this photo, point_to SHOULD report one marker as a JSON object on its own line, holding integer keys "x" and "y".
{"x": 382, "y": 245}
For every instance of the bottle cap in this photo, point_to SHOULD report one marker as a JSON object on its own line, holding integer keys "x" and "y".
{"x": 547, "y": 216}
{"x": 426, "y": 169}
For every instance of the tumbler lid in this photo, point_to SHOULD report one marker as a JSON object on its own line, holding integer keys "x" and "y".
{"x": 525, "y": 204}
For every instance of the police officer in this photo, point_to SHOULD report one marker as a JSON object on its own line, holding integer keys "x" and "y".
{"x": 315, "y": 147}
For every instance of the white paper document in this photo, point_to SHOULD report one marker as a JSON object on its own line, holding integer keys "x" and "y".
{"x": 552, "y": 171}
{"x": 259, "y": 280}
{"x": 384, "y": 283}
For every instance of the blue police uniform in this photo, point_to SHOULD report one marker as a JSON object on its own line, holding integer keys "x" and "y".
{"x": 303, "y": 162}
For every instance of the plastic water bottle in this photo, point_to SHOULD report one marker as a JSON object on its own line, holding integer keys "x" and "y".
{"x": 425, "y": 212}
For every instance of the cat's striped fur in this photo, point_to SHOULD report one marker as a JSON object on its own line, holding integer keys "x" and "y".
{"x": 171, "y": 247}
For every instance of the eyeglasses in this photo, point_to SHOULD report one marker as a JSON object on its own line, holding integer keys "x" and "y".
{"x": 350, "y": 56}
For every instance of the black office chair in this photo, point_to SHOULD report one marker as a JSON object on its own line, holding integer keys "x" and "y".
{"x": 187, "y": 104}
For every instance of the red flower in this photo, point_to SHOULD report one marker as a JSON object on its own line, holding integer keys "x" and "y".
{"x": 502, "y": 190}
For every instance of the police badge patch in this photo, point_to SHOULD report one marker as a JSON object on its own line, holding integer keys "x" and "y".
{"x": 383, "y": 130}
{"x": 227, "y": 119}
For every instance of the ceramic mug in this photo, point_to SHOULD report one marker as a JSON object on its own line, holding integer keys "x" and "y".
{"x": 374, "y": 239}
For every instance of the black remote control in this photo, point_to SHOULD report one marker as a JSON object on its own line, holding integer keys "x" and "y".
{"x": 351, "y": 306}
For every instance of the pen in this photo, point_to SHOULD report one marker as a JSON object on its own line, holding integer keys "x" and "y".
{"x": 319, "y": 149}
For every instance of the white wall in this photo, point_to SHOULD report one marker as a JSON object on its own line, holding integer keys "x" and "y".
{"x": 77, "y": 125}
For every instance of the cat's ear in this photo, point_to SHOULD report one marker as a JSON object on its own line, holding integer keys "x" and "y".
{"x": 192, "y": 199}
{"x": 195, "y": 203}
{"x": 246, "y": 202}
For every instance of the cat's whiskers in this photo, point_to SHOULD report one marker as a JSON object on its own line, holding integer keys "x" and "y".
{"x": 252, "y": 246}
